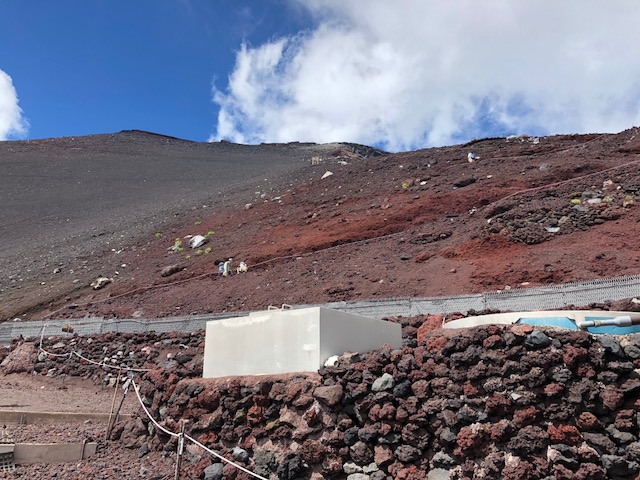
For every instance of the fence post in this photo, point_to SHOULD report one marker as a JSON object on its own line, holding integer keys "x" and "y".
{"x": 113, "y": 404}
{"x": 180, "y": 451}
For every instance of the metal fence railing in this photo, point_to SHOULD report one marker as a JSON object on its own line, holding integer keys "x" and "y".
{"x": 538, "y": 298}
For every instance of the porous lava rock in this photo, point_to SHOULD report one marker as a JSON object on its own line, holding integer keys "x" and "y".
{"x": 519, "y": 424}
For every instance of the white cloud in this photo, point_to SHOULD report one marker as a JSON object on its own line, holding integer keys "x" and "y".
{"x": 407, "y": 74}
{"x": 12, "y": 123}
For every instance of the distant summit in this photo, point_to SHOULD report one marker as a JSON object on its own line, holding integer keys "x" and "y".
{"x": 159, "y": 135}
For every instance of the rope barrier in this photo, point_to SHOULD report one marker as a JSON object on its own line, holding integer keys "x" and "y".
{"x": 240, "y": 467}
{"x": 40, "y": 349}
{"x": 77, "y": 354}
{"x": 191, "y": 439}
{"x": 103, "y": 364}
{"x": 146, "y": 411}
{"x": 144, "y": 407}
{"x": 49, "y": 354}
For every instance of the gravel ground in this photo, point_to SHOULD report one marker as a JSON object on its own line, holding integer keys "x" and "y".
{"x": 110, "y": 462}
{"x": 41, "y": 393}
{"x": 113, "y": 460}
{"x": 69, "y": 200}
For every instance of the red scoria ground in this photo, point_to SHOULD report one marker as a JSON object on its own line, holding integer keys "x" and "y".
{"x": 423, "y": 223}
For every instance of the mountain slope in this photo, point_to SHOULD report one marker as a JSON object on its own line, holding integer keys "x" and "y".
{"x": 424, "y": 223}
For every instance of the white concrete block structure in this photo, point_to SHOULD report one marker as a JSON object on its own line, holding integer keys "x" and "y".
{"x": 287, "y": 341}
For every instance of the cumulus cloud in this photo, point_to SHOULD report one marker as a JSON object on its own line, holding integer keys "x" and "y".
{"x": 406, "y": 74}
{"x": 12, "y": 123}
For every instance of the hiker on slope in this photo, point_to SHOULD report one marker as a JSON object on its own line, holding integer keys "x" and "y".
{"x": 226, "y": 268}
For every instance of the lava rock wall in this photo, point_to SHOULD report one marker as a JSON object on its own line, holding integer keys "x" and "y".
{"x": 505, "y": 402}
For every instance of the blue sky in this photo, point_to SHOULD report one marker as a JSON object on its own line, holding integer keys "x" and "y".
{"x": 400, "y": 75}
{"x": 81, "y": 67}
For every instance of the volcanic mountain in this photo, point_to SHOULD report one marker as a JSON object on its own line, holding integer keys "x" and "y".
{"x": 314, "y": 223}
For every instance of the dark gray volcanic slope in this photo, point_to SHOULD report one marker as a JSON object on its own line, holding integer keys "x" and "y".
{"x": 68, "y": 196}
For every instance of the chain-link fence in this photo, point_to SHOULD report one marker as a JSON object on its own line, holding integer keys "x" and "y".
{"x": 539, "y": 298}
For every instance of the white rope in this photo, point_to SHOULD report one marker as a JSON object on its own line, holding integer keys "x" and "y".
{"x": 160, "y": 427}
{"x": 42, "y": 333}
{"x": 146, "y": 411}
{"x": 49, "y": 353}
{"x": 240, "y": 467}
{"x": 103, "y": 364}
{"x": 168, "y": 432}
{"x": 73, "y": 352}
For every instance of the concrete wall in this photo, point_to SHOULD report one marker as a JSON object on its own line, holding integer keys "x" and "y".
{"x": 29, "y": 453}
{"x": 286, "y": 341}
{"x": 26, "y": 417}
{"x": 346, "y": 332}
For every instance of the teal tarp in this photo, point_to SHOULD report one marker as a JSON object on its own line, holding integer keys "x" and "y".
{"x": 562, "y": 322}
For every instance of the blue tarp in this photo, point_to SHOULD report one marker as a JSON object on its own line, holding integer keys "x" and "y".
{"x": 562, "y": 322}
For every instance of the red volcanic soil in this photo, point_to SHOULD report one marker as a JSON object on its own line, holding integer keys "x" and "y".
{"x": 416, "y": 224}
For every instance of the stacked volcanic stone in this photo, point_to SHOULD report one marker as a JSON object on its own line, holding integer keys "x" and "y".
{"x": 505, "y": 402}
{"x": 78, "y": 355}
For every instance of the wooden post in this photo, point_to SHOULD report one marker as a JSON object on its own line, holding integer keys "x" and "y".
{"x": 112, "y": 421}
{"x": 180, "y": 451}
{"x": 113, "y": 404}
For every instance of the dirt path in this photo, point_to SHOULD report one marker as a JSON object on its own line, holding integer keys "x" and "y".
{"x": 45, "y": 394}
